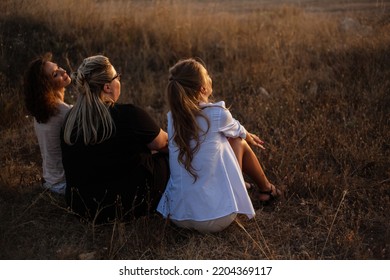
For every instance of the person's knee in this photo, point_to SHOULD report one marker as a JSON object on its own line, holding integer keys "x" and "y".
{"x": 237, "y": 143}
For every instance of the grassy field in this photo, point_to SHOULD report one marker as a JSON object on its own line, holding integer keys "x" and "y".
{"x": 312, "y": 80}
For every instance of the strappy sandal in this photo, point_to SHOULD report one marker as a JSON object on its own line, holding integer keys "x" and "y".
{"x": 273, "y": 193}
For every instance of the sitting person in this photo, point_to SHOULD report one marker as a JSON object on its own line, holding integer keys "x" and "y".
{"x": 208, "y": 153}
{"x": 114, "y": 155}
{"x": 44, "y": 89}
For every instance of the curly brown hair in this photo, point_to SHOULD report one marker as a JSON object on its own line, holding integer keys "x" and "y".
{"x": 40, "y": 100}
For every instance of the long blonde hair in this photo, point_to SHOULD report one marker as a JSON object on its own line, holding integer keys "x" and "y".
{"x": 186, "y": 78}
{"x": 90, "y": 117}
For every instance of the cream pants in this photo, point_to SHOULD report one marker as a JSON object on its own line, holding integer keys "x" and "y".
{"x": 209, "y": 226}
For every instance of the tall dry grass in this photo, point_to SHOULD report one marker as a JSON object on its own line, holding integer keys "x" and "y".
{"x": 313, "y": 83}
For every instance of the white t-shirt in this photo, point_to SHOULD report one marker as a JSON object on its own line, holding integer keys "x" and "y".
{"x": 220, "y": 188}
{"x": 48, "y": 135}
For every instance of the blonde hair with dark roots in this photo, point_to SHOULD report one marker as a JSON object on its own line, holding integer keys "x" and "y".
{"x": 90, "y": 116}
{"x": 186, "y": 78}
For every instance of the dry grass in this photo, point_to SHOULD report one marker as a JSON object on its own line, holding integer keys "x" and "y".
{"x": 313, "y": 82}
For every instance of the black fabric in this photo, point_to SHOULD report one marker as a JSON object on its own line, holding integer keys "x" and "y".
{"x": 119, "y": 177}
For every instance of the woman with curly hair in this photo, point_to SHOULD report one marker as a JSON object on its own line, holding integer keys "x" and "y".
{"x": 44, "y": 89}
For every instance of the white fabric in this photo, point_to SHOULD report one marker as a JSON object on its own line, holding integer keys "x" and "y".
{"x": 210, "y": 226}
{"x": 220, "y": 189}
{"x": 48, "y": 135}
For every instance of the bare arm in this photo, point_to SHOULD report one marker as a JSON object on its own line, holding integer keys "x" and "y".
{"x": 160, "y": 143}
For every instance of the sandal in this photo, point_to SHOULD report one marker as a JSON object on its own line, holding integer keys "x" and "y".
{"x": 273, "y": 194}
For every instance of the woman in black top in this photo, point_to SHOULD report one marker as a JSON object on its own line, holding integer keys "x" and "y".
{"x": 114, "y": 155}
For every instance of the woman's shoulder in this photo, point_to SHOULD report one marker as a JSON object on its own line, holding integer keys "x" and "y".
{"x": 126, "y": 108}
{"x": 220, "y": 104}
{"x": 216, "y": 105}
{"x": 64, "y": 106}
{"x": 130, "y": 110}
{"x": 63, "y": 109}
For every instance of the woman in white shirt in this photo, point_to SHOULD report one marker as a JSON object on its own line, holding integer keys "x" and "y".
{"x": 208, "y": 154}
{"x": 44, "y": 89}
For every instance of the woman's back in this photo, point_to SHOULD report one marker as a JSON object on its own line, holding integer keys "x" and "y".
{"x": 208, "y": 151}
{"x": 219, "y": 189}
{"x": 120, "y": 166}
{"x": 44, "y": 90}
{"x": 48, "y": 135}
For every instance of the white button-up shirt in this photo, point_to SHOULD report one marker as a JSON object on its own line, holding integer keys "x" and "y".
{"x": 220, "y": 188}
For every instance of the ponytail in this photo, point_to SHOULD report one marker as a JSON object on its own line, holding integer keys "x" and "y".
{"x": 183, "y": 92}
{"x": 90, "y": 117}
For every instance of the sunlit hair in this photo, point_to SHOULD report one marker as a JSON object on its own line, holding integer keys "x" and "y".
{"x": 40, "y": 97}
{"x": 186, "y": 78}
{"x": 90, "y": 117}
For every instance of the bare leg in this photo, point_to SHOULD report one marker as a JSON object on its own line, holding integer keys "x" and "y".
{"x": 250, "y": 165}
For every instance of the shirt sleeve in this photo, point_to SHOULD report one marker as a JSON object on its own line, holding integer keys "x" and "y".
{"x": 231, "y": 127}
{"x": 143, "y": 125}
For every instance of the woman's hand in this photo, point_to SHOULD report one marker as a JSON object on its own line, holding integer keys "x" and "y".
{"x": 254, "y": 140}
